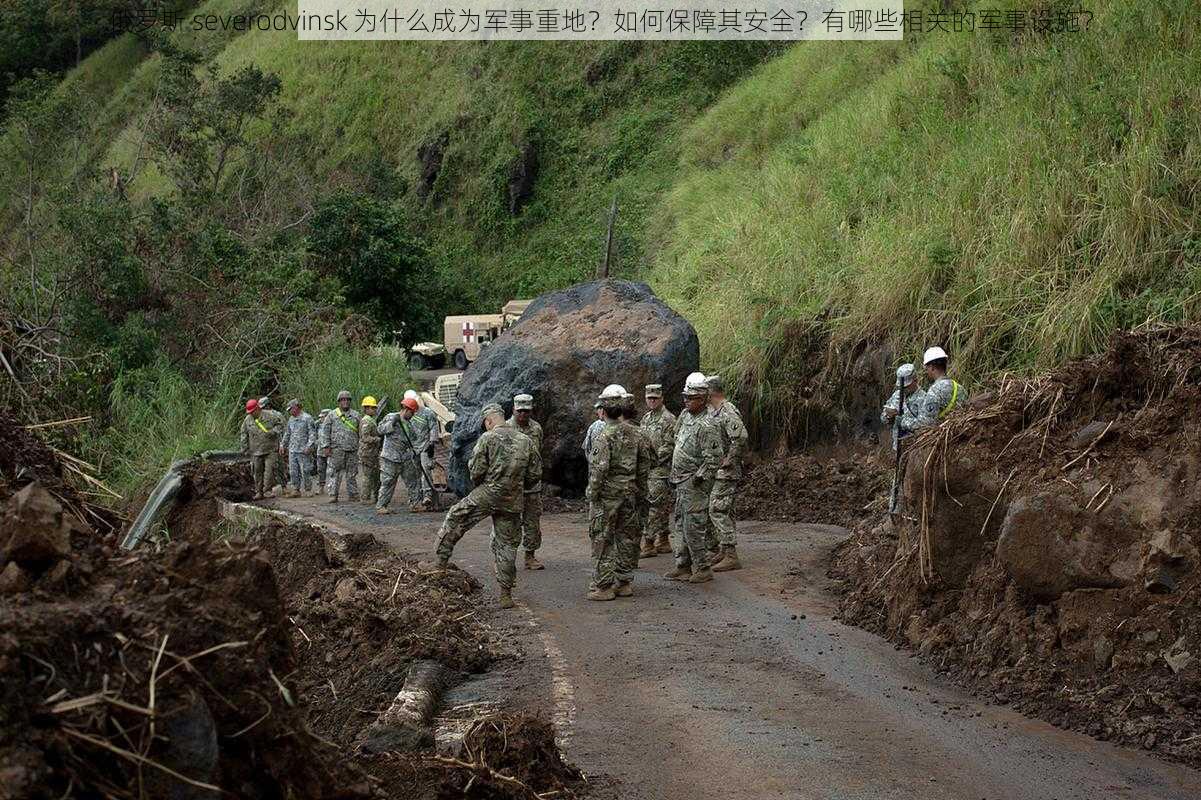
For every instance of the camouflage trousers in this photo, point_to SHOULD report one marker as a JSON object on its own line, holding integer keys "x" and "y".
{"x": 389, "y": 472}
{"x": 262, "y": 467}
{"x": 659, "y": 497}
{"x": 344, "y": 465}
{"x": 531, "y": 522}
{"x": 613, "y": 529}
{"x": 300, "y": 471}
{"x": 320, "y": 472}
{"x": 369, "y": 463}
{"x": 505, "y": 538}
{"x": 721, "y": 513}
{"x": 690, "y": 522}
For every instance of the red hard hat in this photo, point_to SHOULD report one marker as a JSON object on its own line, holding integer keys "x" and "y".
{"x": 409, "y": 403}
{"x": 252, "y": 405}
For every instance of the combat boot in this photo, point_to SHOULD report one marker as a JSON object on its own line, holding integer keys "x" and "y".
{"x": 678, "y": 574}
{"x": 333, "y": 498}
{"x": 506, "y": 598}
{"x": 624, "y": 589}
{"x": 648, "y": 549}
{"x": 663, "y": 545}
{"x": 602, "y": 593}
{"x": 729, "y": 560}
{"x": 531, "y": 562}
{"x": 384, "y": 510}
{"x": 701, "y": 576}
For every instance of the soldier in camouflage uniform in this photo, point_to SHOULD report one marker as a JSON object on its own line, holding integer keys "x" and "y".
{"x": 299, "y": 442}
{"x": 631, "y": 535}
{"x": 403, "y": 438}
{"x": 944, "y": 393}
{"x": 338, "y": 438}
{"x": 659, "y": 425}
{"x": 259, "y": 436}
{"x": 727, "y": 420}
{"x": 429, "y": 421}
{"x": 593, "y": 429}
{"x": 613, "y": 495}
{"x": 915, "y": 400}
{"x": 503, "y": 466}
{"x": 370, "y": 443}
{"x": 694, "y": 463}
{"x": 531, "y": 514}
{"x": 320, "y": 462}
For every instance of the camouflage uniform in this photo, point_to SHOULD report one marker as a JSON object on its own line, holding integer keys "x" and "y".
{"x": 503, "y": 466}
{"x": 630, "y": 535}
{"x": 694, "y": 464}
{"x": 942, "y": 396}
{"x": 427, "y": 453}
{"x": 398, "y": 459}
{"x": 370, "y": 443}
{"x": 340, "y": 433}
{"x": 531, "y": 514}
{"x": 260, "y": 438}
{"x": 914, "y": 402}
{"x": 612, "y": 495}
{"x": 320, "y": 462}
{"x": 660, "y": 427}
{"x": 590, "y": 437}
{"x": 728, "y": 423}
{"x": 300, "y": 438}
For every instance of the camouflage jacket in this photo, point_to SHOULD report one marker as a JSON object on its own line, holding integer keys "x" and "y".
{"x": 590, "y": 436}
{"x": 340, "y": 431}
{"x": 620, "y": 463}
{"x": 404, "y": 438}
{"x": 503, "y": 465}
{"x": 261, "y": 436}
{"x": 660, "y": 427}
{"x": 734, "y": 438}
{"x": 942, "y": 396}
{"x": 300, "y": 436}
{"x": 534, "y": 432}
{"x": 697, "y": 450}
{"x": 370, "y": 440}
{"x": 914, "y": 401}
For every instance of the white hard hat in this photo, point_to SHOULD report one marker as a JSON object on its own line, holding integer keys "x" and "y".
{"x": 613, "y": 392}
{"x": 696, "y": 383}
{"x": 933, "y": 354}
{"x": 410, "y": 395}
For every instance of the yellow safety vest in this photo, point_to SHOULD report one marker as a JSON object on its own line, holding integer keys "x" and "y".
{"x": 954, "y": 398}
{"x": 259, "y": 422}
{"x": 349, "y": 425}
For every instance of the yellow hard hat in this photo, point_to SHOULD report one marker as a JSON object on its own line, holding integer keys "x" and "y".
{"x": 369, "y": 401}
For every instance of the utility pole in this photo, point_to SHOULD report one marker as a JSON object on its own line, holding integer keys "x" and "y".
{"x": 603, "y": 272}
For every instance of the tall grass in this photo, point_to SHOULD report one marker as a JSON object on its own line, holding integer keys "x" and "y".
{"x": 378, "y": 371}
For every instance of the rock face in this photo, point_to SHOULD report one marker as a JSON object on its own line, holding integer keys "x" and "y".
{"x": 567, "y": 347}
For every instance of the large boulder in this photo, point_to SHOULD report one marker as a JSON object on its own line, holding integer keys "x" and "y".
{"x": 566, "y": 347}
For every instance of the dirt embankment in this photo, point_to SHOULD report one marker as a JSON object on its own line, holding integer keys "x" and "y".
{"x": 806, "y": 488}
{"x": 1051, "y": 555}
{"x": 201, "y": 661}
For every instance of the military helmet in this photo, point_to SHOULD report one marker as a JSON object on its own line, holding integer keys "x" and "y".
{"x": 343, "y": 395}
{"x": 696, "y": 384}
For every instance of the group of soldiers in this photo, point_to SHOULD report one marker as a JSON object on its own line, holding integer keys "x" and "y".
{"x": 326, "y": 454}
{"x": 664, "y": 484}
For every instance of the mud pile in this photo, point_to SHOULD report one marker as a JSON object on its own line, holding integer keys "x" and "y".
{"x": 203, "y": 485}
{"x": 509, "y": 755}
{"x": 1051, "y": 554}
{"x": 804, "y": 488}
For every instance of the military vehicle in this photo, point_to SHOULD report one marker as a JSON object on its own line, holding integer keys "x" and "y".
{"x": 464, "y": 336}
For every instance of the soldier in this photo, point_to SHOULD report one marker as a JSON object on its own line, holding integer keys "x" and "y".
{"x": 593, "y": 430}
{"x": 915, "y": 399}
{"x": 402, "y": 433}
{"x": 612, "y": 495}
{"x": 339, "y": 440}
{"x": 259, "y": 437}
{"x": 694, "y": 464}
{"x": 430, "y": 420}
{"x": 299, "y": 442}
{"x": 370, "y": 443}
{"x": 728, "y": 421}
{"x": 503, "y": 466}
{"x": 531, "y": 514}
{"x": 943, "y": 395}
{"x": 659, "y": 425}
{"x": 629, "y": 535}
{"x": 279, "y": 477}
{"x": 320, "y": 462}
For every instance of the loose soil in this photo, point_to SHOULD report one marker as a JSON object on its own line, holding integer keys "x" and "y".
{"x": 1050, "y": 559}
{"x": 806, "y": 488}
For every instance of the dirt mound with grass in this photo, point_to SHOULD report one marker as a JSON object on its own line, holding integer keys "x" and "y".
{"x": 1049, "y": 556}
{"x": 805, "y": 488}
{"x": 195, "y": 510}
{"x": 505, "y": 756}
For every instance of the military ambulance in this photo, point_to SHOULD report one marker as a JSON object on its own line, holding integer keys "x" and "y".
{"x": 463, "y": 337}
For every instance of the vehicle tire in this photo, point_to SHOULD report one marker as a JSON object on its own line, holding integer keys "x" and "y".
{"x": 460, "y": 360}
{"x": 418, "y": 361}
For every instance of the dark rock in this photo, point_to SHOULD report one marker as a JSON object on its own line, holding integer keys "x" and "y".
{"x": 13, "y": 579}
{"x": 1090, "y": 433}
{"x": 191, "y": 750}
{"x": 1160, "y": 582}
{"x": 568, "y": 346}
{"x": 430, "y": 155}
{"x": 36, "y": 530}
{"x": 1102, "y": 653}
{"x": 522, "y": 173}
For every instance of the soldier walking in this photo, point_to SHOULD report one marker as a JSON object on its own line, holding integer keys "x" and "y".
{"x": 728, "y": 422}
{"x": 694, "y": 464}
{"x": 531, "y": 514}
{"x": 370, "y": 443}
{"x": 299, "y": 442}
{"x": 503, "y": 466}
{"x": 659, "y": 425}
{"x": 339, "y": 440}
{"x": 259, "y": 437}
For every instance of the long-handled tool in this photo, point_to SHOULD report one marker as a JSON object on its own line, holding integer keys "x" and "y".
{"x": 895, "y": 506}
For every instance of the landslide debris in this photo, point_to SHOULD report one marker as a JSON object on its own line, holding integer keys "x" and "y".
{"x": 806, "y": 488}
{"x": 1050, "y": 559}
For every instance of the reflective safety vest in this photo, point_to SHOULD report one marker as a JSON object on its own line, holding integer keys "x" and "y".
{"x": 954, "y": 399}
{"x": 262, "y": 427}
{"x": 345, "y": 421}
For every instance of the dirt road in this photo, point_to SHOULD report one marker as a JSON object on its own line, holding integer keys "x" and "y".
{"x": 746, "y": 687}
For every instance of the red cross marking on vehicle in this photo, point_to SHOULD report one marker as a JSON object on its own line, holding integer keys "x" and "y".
{"x": 468, "y": 332}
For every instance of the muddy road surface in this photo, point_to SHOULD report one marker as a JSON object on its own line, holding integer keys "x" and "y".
{"x": 747, "y": 687}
